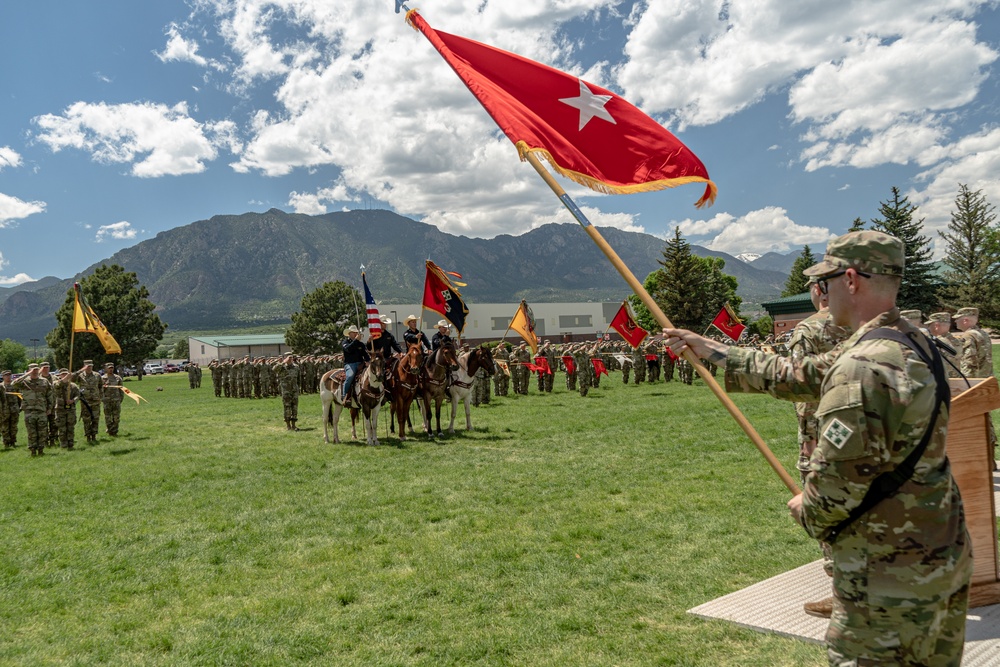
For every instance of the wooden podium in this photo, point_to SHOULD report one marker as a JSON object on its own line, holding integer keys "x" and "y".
{"x": 972, "y": 466}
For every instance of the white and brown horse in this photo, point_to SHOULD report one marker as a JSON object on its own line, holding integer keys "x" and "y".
{"x": 366, "y": 397}
{"x": 434, "y": 383}
{"x": 461, "y": 383}
{"x": 403, "y": 383}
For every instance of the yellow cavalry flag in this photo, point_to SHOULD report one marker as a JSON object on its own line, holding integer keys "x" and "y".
{"x": 128, "y": 392}
{"x": 524, "y": 324}
{"x": 85, "y": 320}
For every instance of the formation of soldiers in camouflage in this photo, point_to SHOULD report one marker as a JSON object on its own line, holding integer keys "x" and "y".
{"x": 48, "y": 403}
{"x": 247, "y": 377}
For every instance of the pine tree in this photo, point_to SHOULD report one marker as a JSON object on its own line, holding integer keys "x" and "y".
{"x": 679, "y": 285}
{"x": 919, "y": 286}
{"x": 973, "y": 254}
{"x": 857, "y": 226}
{"x": 798, "y": 283}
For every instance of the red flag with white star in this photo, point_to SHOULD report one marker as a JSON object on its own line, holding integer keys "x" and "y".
{"x": 587, "y": 133}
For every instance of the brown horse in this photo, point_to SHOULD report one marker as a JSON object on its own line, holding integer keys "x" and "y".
{"x": 404, "y": 384}
{"x": 366, "y": 396}
{"x": 434, "y": 383}
{"x": 461, "y": 385}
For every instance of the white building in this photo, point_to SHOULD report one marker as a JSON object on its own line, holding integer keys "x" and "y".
{"x": 558, "y": 322}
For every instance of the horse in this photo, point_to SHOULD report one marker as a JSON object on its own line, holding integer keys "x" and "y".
{"x": 434, "y": 383}
{"x": 461, "y": 384}
{"x": 403, "y": 383}
{"x": 366, "y": 394}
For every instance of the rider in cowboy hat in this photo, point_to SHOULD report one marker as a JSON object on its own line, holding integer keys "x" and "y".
{"x": 355, "y": 354}
{"x": 385, "y": 344}
{"x": 414, "y": 335}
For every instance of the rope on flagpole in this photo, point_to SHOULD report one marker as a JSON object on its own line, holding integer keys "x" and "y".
{"x": 661, "y": 317}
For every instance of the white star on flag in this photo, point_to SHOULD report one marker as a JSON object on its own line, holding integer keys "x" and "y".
{"x": 590, "y": 105}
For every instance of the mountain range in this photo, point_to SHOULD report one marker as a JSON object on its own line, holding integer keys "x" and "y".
{"x": 235, "y": 271}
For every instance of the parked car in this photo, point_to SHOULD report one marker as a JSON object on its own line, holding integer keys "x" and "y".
{"x": 171, "y": 368}
{"x": 153, "y": 369}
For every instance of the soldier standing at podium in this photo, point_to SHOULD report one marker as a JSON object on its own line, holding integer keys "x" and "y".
{"x": 903, "y": 563}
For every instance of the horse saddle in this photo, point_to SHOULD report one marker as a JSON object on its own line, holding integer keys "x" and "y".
{"x": 339, "y": 375}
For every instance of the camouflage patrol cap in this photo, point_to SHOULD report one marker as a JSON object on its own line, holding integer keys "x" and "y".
{"x": 88, "y": 362}
{"x": 5, "y": 373}
{"x": 914, "y": 315}
{"x": 867, "y": 251}
{"x": 62, "y": 371}
{"x": 967, "y": 312}
{"x": 44, "y": 364}
{"x": 32, "y": 367}
{"x": 940, "y": 318}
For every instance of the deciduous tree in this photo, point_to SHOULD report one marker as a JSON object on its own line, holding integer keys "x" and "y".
{"x": 13, "y": 356}
{"x": 326, "y": 311}
{"x": 125, "y": 309}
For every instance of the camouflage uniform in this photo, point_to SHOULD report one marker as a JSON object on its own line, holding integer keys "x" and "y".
{"x": 570, "y": 376}
{"x": 901, "y": 571}
{"x": 545, "y": 379}
{"x": 977, "y": 361}
{"x": 668, "y": 367}
{"x": 639, "y": 364}
{"x": 65, "y": 409}
{"x": 216, "y": 370}
{"x": 501, "y": 380}
{"x": 521, "y": 356}
{"x": 287, "y": 375}
{"x": 112, "y": 400}
{"x": 685, "y": 371}
{"x": 595, "y": 377}
{"x": 37, "y": 403}
{"x": 582, "y": 360}
{"x": 953, "y": 361}
{"x": 53, "y": 435}
{"x": 480, "y": 387}
{"x": 224, "y": 368}
{"x": 652, "y": 365}
{"x": 977, "y": 350}
{"x": 626, "y": 369}
{"x": 90, "y": 396}
{"x": 11, "y": 412}
{"x": 817, "y": 334}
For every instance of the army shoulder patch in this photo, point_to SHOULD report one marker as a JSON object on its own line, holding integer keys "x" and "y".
{"x": 837, "y": 433}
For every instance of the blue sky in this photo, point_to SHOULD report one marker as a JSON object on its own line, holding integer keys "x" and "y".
{"x": 120, "y": 120}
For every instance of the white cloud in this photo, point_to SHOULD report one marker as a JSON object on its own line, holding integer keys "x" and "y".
{"x": 973, "y": 161}
{"x": 422, "y": 145}
{"x": 179, "y": 49}
{"x": 764, "y": 230}
{"x": 155, "y": 139}
{"x": 9, "y": 157}
{"x": 18, "y": 279}
{"x": 10, "y": 281}
{"x": 118, "y": 230}
{"x": 868, "y": 80}
{"x": 12, "y": 209}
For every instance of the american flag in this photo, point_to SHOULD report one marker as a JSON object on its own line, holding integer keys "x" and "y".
{"x": 374, "y": 323}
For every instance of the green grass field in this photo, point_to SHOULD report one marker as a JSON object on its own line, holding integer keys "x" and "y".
{"x": 560, "y": 531}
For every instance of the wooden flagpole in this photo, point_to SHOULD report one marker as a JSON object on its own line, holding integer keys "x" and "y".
{"x": 661, "y": 317}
